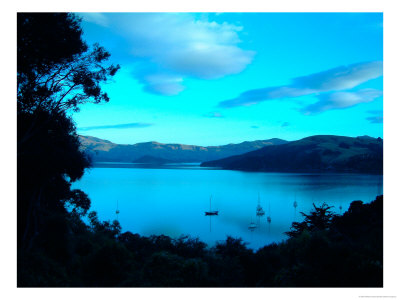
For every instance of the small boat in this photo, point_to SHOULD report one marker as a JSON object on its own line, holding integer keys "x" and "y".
{"x": 252, "y": 226}
{"x": 211, "y": 212}
{"x": 259, "y": 210}
{"x": 117, "y": 211}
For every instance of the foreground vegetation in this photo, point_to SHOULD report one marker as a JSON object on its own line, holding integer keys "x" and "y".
{"x": 324, "y": 250}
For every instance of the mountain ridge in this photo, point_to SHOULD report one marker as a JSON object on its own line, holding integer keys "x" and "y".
{"x": 105, "y": 151}
{"x": 319, "y": 153}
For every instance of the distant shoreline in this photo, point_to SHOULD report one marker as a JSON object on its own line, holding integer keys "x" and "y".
{"x": 197, "y": 166}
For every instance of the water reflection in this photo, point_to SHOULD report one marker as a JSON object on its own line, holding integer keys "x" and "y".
{"x": 174, "y": 201}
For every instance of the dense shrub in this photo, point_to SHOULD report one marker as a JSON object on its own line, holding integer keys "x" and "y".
{"x": 324, "y": 250}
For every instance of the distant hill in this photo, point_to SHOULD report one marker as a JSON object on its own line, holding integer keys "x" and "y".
{"x": 312, "y": 154}
{"x": 106, "y": 151}
{"x": 148, "y": 159}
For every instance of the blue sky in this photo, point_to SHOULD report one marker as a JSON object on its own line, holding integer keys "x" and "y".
{"x": 213, "y": 79}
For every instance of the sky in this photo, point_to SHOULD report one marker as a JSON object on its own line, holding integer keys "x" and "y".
{"x": 213, "y": 79}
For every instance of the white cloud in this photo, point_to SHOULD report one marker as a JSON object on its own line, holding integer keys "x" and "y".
{"x": 341, "y": 100}
{"x": 214, "y": 114}
{"x": 178, "y": 45}
{"x": 160, "y": 83}
{"x": 97, "y": 18}
{"x": 340, "y": 78}
{"x": 377, "y": 117}
{"x": 336, "y": 79}
{"x": 116, "y": 126}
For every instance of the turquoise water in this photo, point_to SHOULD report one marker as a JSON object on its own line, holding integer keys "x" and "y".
{"x": 172, "y": 200}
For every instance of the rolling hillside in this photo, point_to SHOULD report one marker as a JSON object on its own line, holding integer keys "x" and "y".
{"x": 318, "y": 153}
{"x": 106, "y": 151}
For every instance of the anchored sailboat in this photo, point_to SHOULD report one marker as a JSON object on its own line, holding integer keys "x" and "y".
{"x": 211, "y": 212}
{"x": 269, "y": 218}
{"x": 252, "y": 226}
{"x": 117, "y": 211}
{"x": 259, "y": 210}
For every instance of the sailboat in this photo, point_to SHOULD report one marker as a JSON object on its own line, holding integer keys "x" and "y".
{"x": 117, "y": 211}
{"x": 259, "y": 210}
{"x": 269, "y": 218}
{"x": 252, "y": 226}
{"x": 211, "y": 212}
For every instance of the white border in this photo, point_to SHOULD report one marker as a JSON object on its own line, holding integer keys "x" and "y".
{"x": 391, "y": 144}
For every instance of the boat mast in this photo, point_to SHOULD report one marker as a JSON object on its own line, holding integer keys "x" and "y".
{"x": 117, "y": 211}
{"x": 210, "y": 212}
{"x": 295, "y": 205}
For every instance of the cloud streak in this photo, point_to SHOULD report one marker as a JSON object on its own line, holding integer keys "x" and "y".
{"x": 214, "y": 114}
{"x": 336, "y": 79}
{"x": 340, "y": 100}
{"x": 169, "y": 47}
{"x": 377, "y": 118}
{"x": 116, "y": 126}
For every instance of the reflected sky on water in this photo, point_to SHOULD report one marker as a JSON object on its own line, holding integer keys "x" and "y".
{"x": 172, "y": 200}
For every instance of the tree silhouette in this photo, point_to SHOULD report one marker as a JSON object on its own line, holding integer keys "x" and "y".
{"x": 56, "y": 72}
{"x": 56, "y": 69}
{"x": 318, "y": 219}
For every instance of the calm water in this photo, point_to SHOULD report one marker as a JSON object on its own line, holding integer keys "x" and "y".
{"x": 172, "y": 200}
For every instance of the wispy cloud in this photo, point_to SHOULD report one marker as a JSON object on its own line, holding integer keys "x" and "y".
{"x": 336, "y": 79}
{"x": 377, "y": 118}
{"x": 340, "y": 100}
{"x": 116, "y": 126}
{"x": 97, "y": 18}
{"x": 169, "y": 47}
{"x": 214, "y": 114}
{"x": 375, "y": 112}
{"x": 159, "y": 83}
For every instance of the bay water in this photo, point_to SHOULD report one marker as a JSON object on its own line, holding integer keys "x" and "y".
{"x": 172, "y": 199}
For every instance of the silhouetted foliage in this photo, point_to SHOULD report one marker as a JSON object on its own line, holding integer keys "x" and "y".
{"x": 56, "y": 69}
{"x": 46, "y": 167}
{"x": 346, "y": 251}
{"x": 56, "y": 72}
{"x": 112, "y": 229}
{"x": 319, "y": 219}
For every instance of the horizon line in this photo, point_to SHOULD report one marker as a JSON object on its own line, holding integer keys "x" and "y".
{"x": 219, "y": 145}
